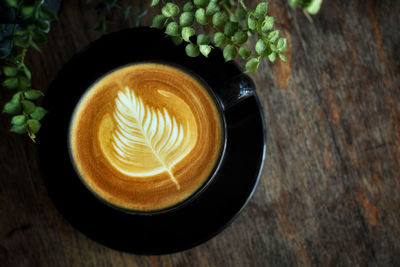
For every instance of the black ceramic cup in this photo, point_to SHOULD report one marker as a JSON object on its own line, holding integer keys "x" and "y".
{"x": 235, "y": 90}
{"x": 207, "y": 212}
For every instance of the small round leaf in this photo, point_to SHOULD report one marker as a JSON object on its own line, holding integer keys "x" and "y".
{"x": 229, "y": 52}
{"x": 244, "y": 53}
{"x": 201, "y": 3}
{"x": 187, "y": 32}
{"x": 189, "y": 7}
{"x": 201, "y": 16}
{"x": 170, "y": 10}
{"x": 219, "y": 19}
{"x": 252, "y": 65}
{"x": 18, "y": 120}
{"x": 230, "y": 28}
{"x": 192, "y": 50}
{"x": 159, "y": 21}
{"x": 261, "y": 47}
{"x": 19, "y": 129}
{"x": 260, "y": 10}
{"x": 28, "y": 106}
{"x": 38, "y": 114}
{"x": 12, "y": 108}
{"x": 34, "y": 126}
{"x": 212, "y": 8}
{"x": 219, "y": 39}
{"x": 11, "y": 83}
{"x": 10, "y": 71}
{"x": 240, "y": 37}
{"x": 203, "y": 39}
{"x": 186, "y": 19}
{"x": 267, "y": 24}
{"x": 172, "y": 29}
{"x": 32, "y": 94}
{"x": 205, "y": 49}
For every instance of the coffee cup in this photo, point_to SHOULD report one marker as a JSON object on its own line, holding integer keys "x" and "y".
{"x": 149, "y": 137}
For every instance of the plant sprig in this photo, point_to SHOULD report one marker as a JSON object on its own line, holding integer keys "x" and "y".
{"x": 105, "y": 8}
{"x": 30, "y": 25}
{"x": 231, "y": 24}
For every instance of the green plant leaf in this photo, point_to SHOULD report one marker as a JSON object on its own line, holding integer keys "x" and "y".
{"x": 159, "y": 21}
{"x": 240, "y": 37}
{"x": 23, "y": 82}
{"x": 212, "y": 8}
{"x": 192, "y": 50}
{"x": 11, "y": 83}
{"x": 170, "y": 10}
{"x": 205, "y": 49}
{"x": 200, "y": 15}
{"x": 18, "y": 120}
{"x": 177, "y": 40}
{"x": 34, "y": 126}
{"x": 273, "y": 36}
{"x": 155, "y": 2}
{"x": 230, "y": 28}
{"x": 10, "y": 71}
{"x": 267, "y": 24}
{"x": 28, "y": 106}
{"x": 12, "y": 108}
{"x": 172, "y": 29}
{"x": 219, "y": 19}
{"x": 189, "y": 7}
{"x": 203, "y": 39}
{"x": 186, "y": 19}
{"x": 252, "y": 65}
{"x": 201, "y": 3}
{"x": 19, "y": 129}
{"x": 219, "y": 39}
{"x": 314, "y": 7}
{"x": 27, "y": 11}
{"x": 187, "y": 32}
{"x": 252, "y": 23}
{"x": 38, "y": 114}
{"x": 281, "y": 45}
{"x": 240, "y": 13}
{"x": 260, "y": 10}
{"x": 16, "y": 98}
{"x": 244, "y": 53}
{"x": 261, "y": 48}
{"x": 229, "y": 52}
{"x": 272, "y": 57}
{"x": 33, "y": 94}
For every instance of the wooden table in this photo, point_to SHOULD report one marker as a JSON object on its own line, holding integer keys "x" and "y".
{"x": 330, "y": 189}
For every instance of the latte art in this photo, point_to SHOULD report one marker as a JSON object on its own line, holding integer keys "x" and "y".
{"x": 146, "y": 137}
{"x": 147, "y": 141}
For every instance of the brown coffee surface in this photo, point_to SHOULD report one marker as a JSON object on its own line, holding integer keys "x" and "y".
{"x": 146, "y": 136}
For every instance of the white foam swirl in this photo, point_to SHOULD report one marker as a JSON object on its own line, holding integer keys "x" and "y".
{"x": 147, "y": 137}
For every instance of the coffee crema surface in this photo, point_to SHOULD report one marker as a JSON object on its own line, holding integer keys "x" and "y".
{"x": 146, "y": 136}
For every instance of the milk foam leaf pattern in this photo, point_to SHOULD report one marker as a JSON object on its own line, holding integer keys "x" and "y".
{"x": 144, "y": 132}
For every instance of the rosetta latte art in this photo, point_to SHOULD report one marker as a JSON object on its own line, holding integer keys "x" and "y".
{"x": 146, "y": 140}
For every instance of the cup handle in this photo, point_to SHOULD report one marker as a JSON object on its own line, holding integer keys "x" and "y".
{"x": 235, "y": 90}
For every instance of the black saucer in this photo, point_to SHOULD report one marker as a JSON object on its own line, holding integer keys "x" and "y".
{"x": 197, "y": 222}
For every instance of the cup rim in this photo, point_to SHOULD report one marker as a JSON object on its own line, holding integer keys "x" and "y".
{"x": 208, "y": 182}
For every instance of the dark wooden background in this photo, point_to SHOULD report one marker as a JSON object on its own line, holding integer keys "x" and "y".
{"x": 330, "y": 189}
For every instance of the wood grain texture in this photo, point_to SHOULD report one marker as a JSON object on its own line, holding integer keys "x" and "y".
{"x": 330, "y": 189}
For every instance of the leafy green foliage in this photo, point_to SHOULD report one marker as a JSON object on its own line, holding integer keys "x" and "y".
{"x": 230, "y": 23}
{"x": 310, "y": 6}
{"x": 30, "y": 22}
